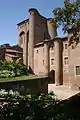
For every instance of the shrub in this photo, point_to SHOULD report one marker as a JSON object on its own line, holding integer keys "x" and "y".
{"x": 29, "y": 107}
{"x": 12, "y": 69}
{"x": 38, "y": 107}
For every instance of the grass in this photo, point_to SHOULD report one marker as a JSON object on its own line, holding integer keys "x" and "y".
{"x": 24, "y": 77}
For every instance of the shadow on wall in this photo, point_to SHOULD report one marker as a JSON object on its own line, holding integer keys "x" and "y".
{"x": 31, "y": 86}
{"x": 30, "y": 70}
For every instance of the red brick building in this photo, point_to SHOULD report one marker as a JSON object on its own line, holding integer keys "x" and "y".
{"x": 8, "y": 52}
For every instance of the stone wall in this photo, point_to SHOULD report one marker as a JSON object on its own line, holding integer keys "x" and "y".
{"x": 52, "y": 57}
{"x": 39, "y": 60}
{"x": 74, "y": 60}
{"x": 65, "y": 66}
{"x": 31, "y": 85}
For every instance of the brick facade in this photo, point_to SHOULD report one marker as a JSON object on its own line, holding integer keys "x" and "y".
{"x": 44, "y": 51}
{"x": 8, "y": 52}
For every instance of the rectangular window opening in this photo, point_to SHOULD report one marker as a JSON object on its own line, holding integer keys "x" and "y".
{"x": 77, "y": 70}
{"x": 43, "y": 62}
{"x": 52, "y": 47}
{"x": 66, "y": 46}
{"x": 52, "y": 61}
{"x": 37, "y": 51}
{"x": 66, "y": 60}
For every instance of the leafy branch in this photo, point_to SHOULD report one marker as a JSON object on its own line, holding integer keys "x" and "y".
{"x": 69, "y": 17}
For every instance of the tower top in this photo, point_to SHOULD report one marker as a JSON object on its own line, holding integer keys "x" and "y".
{"x": 33, "y": 10}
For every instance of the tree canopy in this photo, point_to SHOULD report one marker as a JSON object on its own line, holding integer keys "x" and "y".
{"x": 69, "y": 17}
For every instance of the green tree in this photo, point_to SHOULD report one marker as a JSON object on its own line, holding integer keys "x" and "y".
{"x": 69, "y": 17}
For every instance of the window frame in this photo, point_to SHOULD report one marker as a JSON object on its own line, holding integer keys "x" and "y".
{"x": 52, "y": 61}
{"x": 66, "y": 46}
{"x": 76, "y": 70}
{"x": 43, "y": 62}
{"x": 66, "y": 60}
{"x": 37, "y": 51}
{"x": 52, "y": 48}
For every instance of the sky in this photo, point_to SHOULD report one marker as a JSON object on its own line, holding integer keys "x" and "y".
{"x": 15, "y": 11}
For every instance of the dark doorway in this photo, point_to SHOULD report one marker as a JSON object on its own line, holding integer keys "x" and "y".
{"x": 52, "y": 75}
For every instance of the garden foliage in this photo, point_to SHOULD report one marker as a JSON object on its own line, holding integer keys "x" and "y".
{"x": 38, "y": 107}
{"x": 12, "y": 69}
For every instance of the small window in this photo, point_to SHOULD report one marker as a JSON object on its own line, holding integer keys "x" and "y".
{"x": 43, "y": 62}
{"x": 66, "y": 60}
{"x": 77, "y": 70}
{"x": 52, "y": 61}
{"x": 37, "y": 51}
{"x": 66, "y": 46}
{"x": 51, "y": 47}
